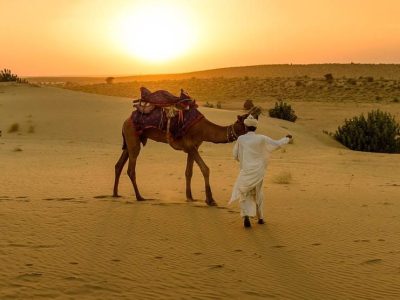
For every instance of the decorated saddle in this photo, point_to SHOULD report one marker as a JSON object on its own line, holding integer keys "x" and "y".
{"x": 165, "y": 111}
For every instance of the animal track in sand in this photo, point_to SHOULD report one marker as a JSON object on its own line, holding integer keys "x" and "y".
{"x": 316, "y": 244}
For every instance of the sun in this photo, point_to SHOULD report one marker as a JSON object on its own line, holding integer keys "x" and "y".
{"x": 156, "y": 33}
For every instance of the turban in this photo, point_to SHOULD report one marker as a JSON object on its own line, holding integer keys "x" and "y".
{"x": 250, "y": 121}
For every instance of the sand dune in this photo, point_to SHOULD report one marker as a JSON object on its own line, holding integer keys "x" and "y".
{"x": 331, "y": 233}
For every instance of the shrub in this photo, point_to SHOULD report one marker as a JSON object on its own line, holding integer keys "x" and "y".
{"x": 219, "y": 104}
{"x": 283, "y": 111}
{"x": 210, "y": 105}
{"x": 110, "y": 80}
{"x": 283, "y": 178}
{"x": 379, "y": 132}
{"x": 7, "y": 76}
{"x": 13, "y": 128}
{"x": 329, "y": 77}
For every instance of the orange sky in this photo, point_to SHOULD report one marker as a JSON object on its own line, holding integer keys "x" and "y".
{"x": 91, "y": 37}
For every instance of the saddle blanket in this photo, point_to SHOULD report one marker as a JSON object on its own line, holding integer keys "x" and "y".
{"x": 157, "y": 118}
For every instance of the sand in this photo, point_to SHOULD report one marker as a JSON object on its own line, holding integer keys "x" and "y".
{"x": 332, "y": 232}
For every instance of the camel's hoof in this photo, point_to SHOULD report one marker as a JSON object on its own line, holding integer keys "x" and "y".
{"x": 116, "y": 196}
{"x": 190, "y": 200}
{"x": 211, "y": 203}
{"x": 140, "y": 199}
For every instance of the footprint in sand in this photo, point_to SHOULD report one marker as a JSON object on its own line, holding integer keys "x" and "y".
{"x": 372, "y": 261}
{"x": 278, "y": 246}
{"x": 115, "y": 260}
{"x": 29, "y": 276}
{"x": 218, "y": 266}
{"x": 197, "y": 253}
{"x": 316, "y": 244}
{"x": 104, "y": 197}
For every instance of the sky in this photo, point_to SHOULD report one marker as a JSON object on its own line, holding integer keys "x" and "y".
{"x": 121, "y": 37}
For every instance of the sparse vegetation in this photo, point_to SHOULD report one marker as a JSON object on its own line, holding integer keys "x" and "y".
{"x": 284, "y": 111}
{"x": 262, "y": 84}
{"x": 283, "y": 178}
{"x": 13, "y": 128}
{"x": 378, "y": 132}
{"x": 31, "y": 129}
{"x": 207, "y": 104}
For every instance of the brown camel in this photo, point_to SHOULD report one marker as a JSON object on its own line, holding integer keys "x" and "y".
{"x": 202, "y": 131}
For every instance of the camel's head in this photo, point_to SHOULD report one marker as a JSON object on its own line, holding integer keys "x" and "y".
{"x": 239, "y": 127}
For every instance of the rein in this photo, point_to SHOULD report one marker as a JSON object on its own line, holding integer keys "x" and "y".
{"x": 231, "y": 135}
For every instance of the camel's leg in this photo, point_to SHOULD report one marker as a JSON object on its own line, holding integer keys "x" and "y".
{"x": 188, "y": 175}
{"x": 133, "y": 154}
{"x": 206, "y": 174}
{"x": 118, "y": 169}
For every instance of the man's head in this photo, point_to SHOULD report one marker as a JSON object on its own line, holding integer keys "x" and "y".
{"x": 251, "y": 123}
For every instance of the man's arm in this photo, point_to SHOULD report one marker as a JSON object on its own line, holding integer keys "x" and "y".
{"x": 277, "y": 143}
{"x": 236, "y": 151}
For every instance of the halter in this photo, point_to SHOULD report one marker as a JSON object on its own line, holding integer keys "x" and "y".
{"x": 231, "y": 134}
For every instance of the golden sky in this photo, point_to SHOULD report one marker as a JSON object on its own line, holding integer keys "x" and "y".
{"x": 120, "y": 37}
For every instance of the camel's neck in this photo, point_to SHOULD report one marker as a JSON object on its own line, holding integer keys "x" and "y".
{"x": 214, "y": 133}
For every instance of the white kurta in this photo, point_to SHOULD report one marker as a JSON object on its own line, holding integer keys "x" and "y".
{"x": 252, "y": 151}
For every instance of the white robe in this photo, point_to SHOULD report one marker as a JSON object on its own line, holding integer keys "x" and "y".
{"x": 252, "y": 151}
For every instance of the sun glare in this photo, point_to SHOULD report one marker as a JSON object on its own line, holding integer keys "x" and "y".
{"x": 156, "y": 33}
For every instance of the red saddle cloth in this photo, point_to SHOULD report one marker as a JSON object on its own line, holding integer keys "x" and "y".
{"x": 164, "y": 98}
{"x": 157, "y": 118}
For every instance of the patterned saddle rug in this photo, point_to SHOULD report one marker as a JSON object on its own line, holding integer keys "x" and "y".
{"x": 148, "y": 100}
{"x": 160, "y": 118}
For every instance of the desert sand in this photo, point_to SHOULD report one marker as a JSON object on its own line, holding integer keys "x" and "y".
{"x": 331, "y": 232}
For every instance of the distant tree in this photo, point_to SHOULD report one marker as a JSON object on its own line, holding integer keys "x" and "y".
{"x": 248, "y": 104}
{"x": 110, "y": 80}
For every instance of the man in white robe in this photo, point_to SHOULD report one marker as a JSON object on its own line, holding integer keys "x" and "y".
{"x": 252, "y": 151}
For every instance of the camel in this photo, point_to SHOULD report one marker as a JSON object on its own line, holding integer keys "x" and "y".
{"x": 202, "y": 131}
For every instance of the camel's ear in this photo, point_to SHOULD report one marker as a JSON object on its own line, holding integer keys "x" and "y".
{"x": 144, "y": 92}
{"x": 240, "y": 118}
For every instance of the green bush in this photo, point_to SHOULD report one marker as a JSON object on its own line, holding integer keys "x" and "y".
{"x": 379, "y": 132}
{"x": 283, "y": 111}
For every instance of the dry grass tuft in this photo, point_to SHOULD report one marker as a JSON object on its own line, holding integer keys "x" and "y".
{"x": 283, "y": 178}
{"x": 13, "y": 128}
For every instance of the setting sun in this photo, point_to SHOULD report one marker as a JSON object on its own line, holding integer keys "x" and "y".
{"x": 156, "y": 33}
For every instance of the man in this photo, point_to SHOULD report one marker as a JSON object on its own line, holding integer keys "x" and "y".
{"x": 251, "y": 151}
